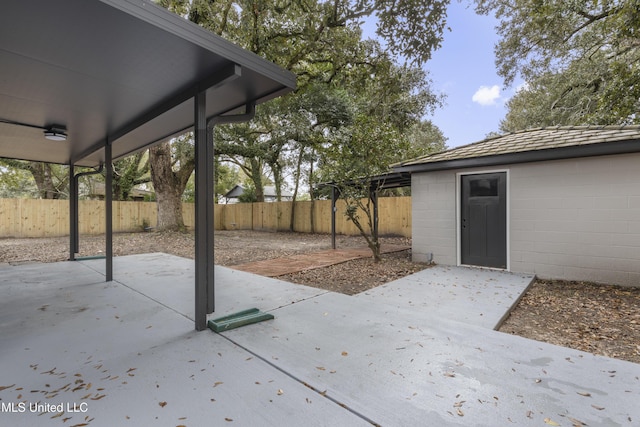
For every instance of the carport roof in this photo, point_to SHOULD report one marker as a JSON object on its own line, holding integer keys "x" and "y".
{"x": 531, "y": 145}
{"x": 119, "y": 70}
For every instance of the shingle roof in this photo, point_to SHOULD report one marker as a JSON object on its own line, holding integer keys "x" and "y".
{"x": 534, "y": 145}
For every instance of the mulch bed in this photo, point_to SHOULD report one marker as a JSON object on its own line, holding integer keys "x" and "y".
{"x": 595, "y": 318}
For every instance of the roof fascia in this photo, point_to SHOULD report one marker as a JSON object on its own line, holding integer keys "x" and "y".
{"x": 562, "y": 153}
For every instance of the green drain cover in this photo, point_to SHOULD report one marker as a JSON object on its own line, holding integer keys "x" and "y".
{"x": 238, "y": 319}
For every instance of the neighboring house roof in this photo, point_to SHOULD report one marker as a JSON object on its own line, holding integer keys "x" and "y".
{"x": 531, "y": 145}
{"x": 235, "y": 192}
{"x": 269, "y": 191}
{"x": 97, "y": 190}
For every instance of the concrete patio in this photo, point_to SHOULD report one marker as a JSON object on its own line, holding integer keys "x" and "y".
{"x": 418, "y": 351}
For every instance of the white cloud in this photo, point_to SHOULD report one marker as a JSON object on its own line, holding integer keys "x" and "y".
{"x": 486, "y": 95}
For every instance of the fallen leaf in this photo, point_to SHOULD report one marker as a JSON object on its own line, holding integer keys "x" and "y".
{"x": 217, "y": 383}
{"x": 228, "y": 419}
{"x": 550, "y": 422}
{"x": 162, "y": 404}
{"x": 584, "y": 393}
{"x": 4, "y": 387}
{"x": 599, "y": 408}
{"x": 280, "y": 392}
{"x": 320, "y": 368}
{"x": 459, "y": 412}
{"x": 344, "y": 353}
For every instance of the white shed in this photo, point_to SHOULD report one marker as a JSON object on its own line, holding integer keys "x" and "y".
{"x": 559, "y": 202}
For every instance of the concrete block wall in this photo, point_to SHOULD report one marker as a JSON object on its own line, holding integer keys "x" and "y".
{"x": 575, "y": 219}
{"x": 433, "y": 217}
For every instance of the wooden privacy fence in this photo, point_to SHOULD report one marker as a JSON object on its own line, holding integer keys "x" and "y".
{"x": 49, "y": 218}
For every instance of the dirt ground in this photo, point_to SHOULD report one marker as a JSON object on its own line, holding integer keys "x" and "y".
{"x": 600, "y": 319}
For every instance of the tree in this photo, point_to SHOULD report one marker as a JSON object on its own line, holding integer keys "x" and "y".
{"x": 386, "y": 127}
{"x": 245, "y": 146}
{"x": 580, "y": 59}
{"x": 424, "y": 138}
{"x": 248, "y": 195}
{"x": 171, "y": 166}
{"x": 16, "y": 183}
{"x": 320, "y": 42}
{"x": 226, "y": 177}
{"x": 128, "y": 172}
{"x": 353, "y": 162}
{"x": 294, "y": 33}
{"x": 51, "y": 180}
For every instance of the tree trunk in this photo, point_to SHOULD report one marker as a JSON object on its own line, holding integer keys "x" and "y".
{"x": 256, "y": 177}
{"x": 44, "y": 181}
{"x": 311, "y": 216}
{"x": 170, "y": 210}
{"x": 169, "y": 186}
{"x": 292, "y": 219}
{"x": 370, "y": 235}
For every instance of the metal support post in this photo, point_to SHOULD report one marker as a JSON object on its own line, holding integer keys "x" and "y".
{"x": 334, "y": 196}
{"x": 108, "y": 208}
{"x": 203, "y": 215}
{"x": 73, "y": 215}
{"x": 373, "y": 194}
{"x": 74, "y": 211}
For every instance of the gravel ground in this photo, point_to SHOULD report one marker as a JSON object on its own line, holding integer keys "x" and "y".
{"x": 599, "y": 319}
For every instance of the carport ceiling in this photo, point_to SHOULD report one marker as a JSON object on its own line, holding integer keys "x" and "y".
{"x": 124, "y": 70}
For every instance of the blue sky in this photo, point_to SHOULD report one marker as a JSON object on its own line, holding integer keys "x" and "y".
{"x": 464, "y": 69}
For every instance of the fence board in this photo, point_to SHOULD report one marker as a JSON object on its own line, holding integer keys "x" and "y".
{"x": 47, "y": 218}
